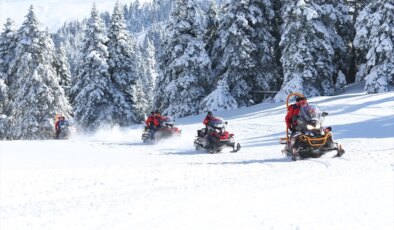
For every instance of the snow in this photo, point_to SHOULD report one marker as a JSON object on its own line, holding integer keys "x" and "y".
{"x": 113, "y": 181}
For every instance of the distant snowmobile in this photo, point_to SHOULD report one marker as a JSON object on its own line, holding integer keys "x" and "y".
{"x": 166, "y": 130}
{"x": 64, "y": 131}
{"x": 310, "y": 139}
{"x": 62, "y": 127}
{"x": 214, "y": 137}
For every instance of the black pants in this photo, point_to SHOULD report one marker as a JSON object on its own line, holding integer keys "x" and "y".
{"x": 57, "y": 133}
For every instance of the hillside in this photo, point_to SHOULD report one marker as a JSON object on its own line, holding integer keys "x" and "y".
{"x": 113, "y": 181}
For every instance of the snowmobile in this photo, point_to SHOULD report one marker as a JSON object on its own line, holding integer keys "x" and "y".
{"x": 167, "y": 129}
{"x": 64, "y": 131}
{"x": 64, "y": 127}
{"x": 214, "y": 137}
{"x": 309, "y": 138}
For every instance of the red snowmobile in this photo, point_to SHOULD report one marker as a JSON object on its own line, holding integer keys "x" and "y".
{"x": 166, "y": 130}
{"x": 214, "y": 137}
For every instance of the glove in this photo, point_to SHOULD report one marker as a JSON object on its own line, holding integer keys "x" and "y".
{"x": 292, "y": 130}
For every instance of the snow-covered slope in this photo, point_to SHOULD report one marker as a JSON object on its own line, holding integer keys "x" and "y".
{"x": 112, "y": 181}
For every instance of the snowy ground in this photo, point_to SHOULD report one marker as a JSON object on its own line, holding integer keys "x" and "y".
{"x": 112, "y": 181}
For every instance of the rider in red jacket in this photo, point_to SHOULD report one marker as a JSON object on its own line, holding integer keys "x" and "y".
{"x": 152, "y": 121}
{"x": 294, "y": 110}
{"x": 58, "y": 125}
{"x": 208, "y": 118}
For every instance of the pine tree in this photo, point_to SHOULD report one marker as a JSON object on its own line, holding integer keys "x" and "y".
{"x": 140, "y": 99}
{"x": 149, "y": 76}
{"x": 307, "y": 51}
{"x": 3, "y": 96}
{"x": 71, "y": 35}
{"x": 338, "y": 22}
{"x": 157, "y": 34}
{"x": 3, "y": 103}
{"x": 340, "y": 83}
{"x": 184, "y": 62}
{"x": 356, "y": 7}
{"x": 123, "y": 63}
{"x": 375, "y": 39}
{"x": 244, "y": 53}
{"x": 7, "y": 50}
{"x": 211, "y": 33}
{"x": 220, "y": 99}
{"x": 36, "y": 96}
{"x": 95, "y": 95}
{"x": 63, "y": 70}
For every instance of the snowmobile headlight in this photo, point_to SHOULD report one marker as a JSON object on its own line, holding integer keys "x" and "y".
{"x": 317, "y": 126}
{"x": 310, "y": 127}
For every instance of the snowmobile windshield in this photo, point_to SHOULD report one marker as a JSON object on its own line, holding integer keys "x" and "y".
{"x": 217, "y": 122}
{"x": 168, "y": 120}
{"x": 311, "y": 112}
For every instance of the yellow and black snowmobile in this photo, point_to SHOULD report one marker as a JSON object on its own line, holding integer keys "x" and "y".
{"x": 309, "y": 138}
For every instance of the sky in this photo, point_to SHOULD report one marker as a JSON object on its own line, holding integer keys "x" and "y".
{"x": 53, "y": 13}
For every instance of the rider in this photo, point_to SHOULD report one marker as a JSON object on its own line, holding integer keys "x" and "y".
{"x": 58, "y": 125}
{"x": 149, "y": 120}
{"x": 159, "y": 119}
{"x": 209, "y": 138}
{"x": 206, "y": 121}
{"x": 153, "y": 123}
{"x": 292, "y": 113}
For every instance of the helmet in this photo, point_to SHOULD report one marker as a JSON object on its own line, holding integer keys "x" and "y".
{"x": 298, "y": 99}
{"x": 152, "y": 112}
{"x": 210, "y": 113}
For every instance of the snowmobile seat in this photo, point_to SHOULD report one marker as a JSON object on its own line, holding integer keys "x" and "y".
{"x": 201, "y": 132}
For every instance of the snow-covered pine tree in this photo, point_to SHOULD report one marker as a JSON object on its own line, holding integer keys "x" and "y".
{"x": 149, "y": 76}
{"x": 212, "y": 26}
{"x": 71, "y": 35}
{"x": 184, "y": 63}
{"x": 374, "y": 37}
{"x": 244, "y": 53}
{"x": 356, "y": 6}
{"x": 3, "y": 104}
{"x": 3, "y": 96}
{"x": 63, "y": 70}
{"x": 95, "y": 95}
{"x": 36, "y": 97}
{"x": 156, "y": 34}
{"x": 340, "y": 83}
{"x": 7, "y": 49}
{"x": 307, "y": 52}
{"x": 335, "y": 15}
{"x": 220, "y": 99}
{"x": 140, "y": 100}
{"x": 124, "y": 67}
